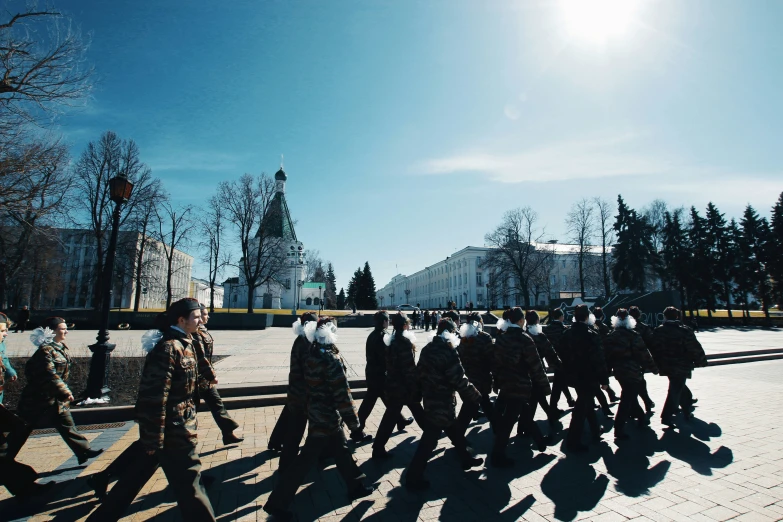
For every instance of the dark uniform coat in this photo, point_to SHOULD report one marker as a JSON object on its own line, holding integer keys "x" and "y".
{"x": 46, "y": 372}
{"x": 441, "y": 374}
{"x": 601, "y": 328}
{"x": 519, "y": 366}
{"x": 554, "y": 332}
{"x": 677, "y": 351}
{"x": 583, "y": 356}
{"x": 402, "y": 382}
{"x": 165, "y": 410}
{"x": 203, "y": 344}
{"x": 476, "y": 355}
{"x": 329, "y": 400}
{"x": 627, "y": 355}
{"x": 546, "y": 351}
{"x": 375, "y": 349}
{"x": 297, "y": 387}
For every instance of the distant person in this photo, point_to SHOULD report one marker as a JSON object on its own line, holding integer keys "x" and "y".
{"x": 645, "y": 331}
{"x": 46, "y": 398}
{"x": 554, "y": 331}
{"x": 22, "y": 318}
{"x": 427, "y": 320}
{"x": 7, "y": 372}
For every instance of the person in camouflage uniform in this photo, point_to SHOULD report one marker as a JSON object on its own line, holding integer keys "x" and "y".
{"x": 329, "y": 405}
{"x": 166, "y": 416}
{"x": 46, "y": 398}
{"x": 547, "y": 353}
{"x": 554, "y": 330}
{"x": 203, "y": 344}
{"x": 603, "y": 330}
{"x": 375, "y": 372}
{"x": 585, "y": 368}
{"x": 475, "y": 352}
{"x": 441, "y": 374}
{"x": 645, "y": 331}
{"x": 519, "y": 368}
{"x": 402, "y": 383}
{"x": 628, "y": 356}
{"x": 19, "y": 479}
{"x": 6, "y": 370}
{"x": 677, "y": 353}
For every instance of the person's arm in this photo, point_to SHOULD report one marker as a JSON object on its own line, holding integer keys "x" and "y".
{"x": 598, "y": 360}
{"x": 534, "y": 366}
{"x": 7, "y": 363}
{"x": 341, "y": 391}
{"x": 205, "y": 369}
{"x": 153, "y": 395}
{"x": 552, "y": 360}
{"x": 694, "y": 350}
{"x": 44, "y": 361}
{"x": 455, "y": 374}
{"x": 642, "y": 355}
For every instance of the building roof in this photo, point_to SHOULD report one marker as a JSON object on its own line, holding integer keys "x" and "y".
{"x": 278, "y": 219}
{"x": 313, "y": 285}
{"x": 280, "y": 175}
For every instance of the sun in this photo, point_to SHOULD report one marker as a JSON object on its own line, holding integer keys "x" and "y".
{"x": 598, "y": 21}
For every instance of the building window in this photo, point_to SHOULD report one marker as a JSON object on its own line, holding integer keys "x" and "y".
{"x": 564, "y": 263}
{"x": 565, "y": 281}
{"x": 288, "y": 284}
{"x": 478, "y": 278}
{"x": 554, "y": 280}
{"x": 316, "y": 301}
{"x": 309, "y": 301}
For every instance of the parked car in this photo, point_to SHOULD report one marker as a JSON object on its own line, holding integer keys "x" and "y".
{"x": 407, "y": 308}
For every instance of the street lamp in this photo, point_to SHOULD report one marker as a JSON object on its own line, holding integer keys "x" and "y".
{"x": 381, "y": 298}
{"x": 407, "y": 293}
{"x": 320, "y": 301}
{"x": 120, "y": 189}
{"x": 391, "y": 296}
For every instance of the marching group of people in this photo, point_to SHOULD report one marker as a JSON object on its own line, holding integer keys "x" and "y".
{"x": 459, "y": 358}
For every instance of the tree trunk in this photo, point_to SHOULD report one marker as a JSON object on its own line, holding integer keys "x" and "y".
{"x": 727, "y": 295}
{"x": 607, "y": 287}
{"x": 139, "y": 264}
{"x": 169, "y": 273}
{"x": 250, "y": 298}
{"x": 581, "y": 275}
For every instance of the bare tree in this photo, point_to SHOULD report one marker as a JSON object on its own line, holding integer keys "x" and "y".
{"x": 315, "y": 265}
{"x": 143, "y": 222}
{"x": 655, "y": 212}
{"x": 580, "y": 222}
{"x": 605, "y": 231}
{"x": 213, "y": 225}
{"x": 42, "y": 68}
{"x": 541, "y": 279}
{"x": 34, "y": 185}
{"x": 175, "y": 225}
{"x": 252, "y": 208}
{"x": 110, "y": 156}
{"x": 514, "y": 255}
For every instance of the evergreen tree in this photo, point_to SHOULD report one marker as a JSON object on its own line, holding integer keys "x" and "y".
{"x": 365, "y": 297}
{"x": 723, "y": 255}
{"x": 754, "y": 248}
{"x": 676, "y": 255}
{"x": 341, "y": 300}
{"x": 634, "y": 253}
{"x": 740, "y": 272}
{"x": 701, "y": 262}
{"x": 776, "y": 250}
{"x": 330, "y": 294}
{"x": 353, "y": 289}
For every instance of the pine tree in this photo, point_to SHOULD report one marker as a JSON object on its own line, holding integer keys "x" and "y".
{"x": 676, "y": 255}
{"x": 743, "y": 279}
{"x": 755, "y": 238}
{"x": 634, "y": 253}
{"x": 701, "y": 261}
{"x": 775, "y": 256}
{"x": 330, "y": 294}
{"x": 341, "y": 300}
{"x": 353, "y": 288}
{"x": 723, "y": 255}
{"x": 366, "y": 298}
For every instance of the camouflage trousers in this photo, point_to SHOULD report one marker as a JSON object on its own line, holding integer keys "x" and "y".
{"x": 62, "y": 422}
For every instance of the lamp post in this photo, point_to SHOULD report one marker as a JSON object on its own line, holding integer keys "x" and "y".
{"x": 489, "y": 301}
{"x": 120, "y": 189}
{"x": 407, "y": 293}
{"x": 381, "y": 298}
{"x": 391, "y": 296}
{"x": 320, "y": 301}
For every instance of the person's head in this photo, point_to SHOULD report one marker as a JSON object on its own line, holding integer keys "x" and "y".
{"x": 326, "y": 330}
{"x": 454, "y": 316}
{"x": 581, "y": 313}
{"x": 3, "y": 326}
{"x": 671, "y": 313}
{"x": 622, "y": 319}
{"x": 635, "y": 312}
{"x": 58, "y": 326}
{"x": 24, "y": 307}
{"x": 557, "y": 314}
{"x": 598, "y": 312}
{"x": 506, "y": 313}
{"x": 446, "y": 325}
{"x": 204, "y": 314}
{"x": 517, "y": 316}
{"x": 307, "y": 317}
{"x": 185, "y": 314}
{"x": 381, "y": 320}
{"x": 400, "y": 322}
{"x": 475, "y": 317}
{"x": 532, "y": 317}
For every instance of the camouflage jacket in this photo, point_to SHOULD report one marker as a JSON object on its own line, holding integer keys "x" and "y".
{"x": 546, "y": 351}
{"x": 329, "y": 398}
{"x": 627, "y": 355}
{"x": 476, "y": 354}
{"x": 554, "y": 332}
{"x": 583, "y": 356}
{"x": 297, "y": 389}
{"x": 645, "y": 331}
{"x": 46, "y": 372}
{"x": 518, "y": 364}
{"x": 376, "y": 357}
{"x": 402, "y": 382}
{"x": 165, "y": 410}
{"x": 440, "y": 375}
{"x": 677, "y": 351}
{"x": 602, "y": 329}
{"x": 203, "y": 345}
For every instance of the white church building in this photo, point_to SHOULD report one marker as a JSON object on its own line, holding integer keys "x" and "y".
{"x": 285, "y": 290}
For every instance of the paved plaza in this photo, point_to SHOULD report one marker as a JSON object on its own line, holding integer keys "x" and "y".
{"x": 726, "y": 465}
{"x": 262, "y": 356}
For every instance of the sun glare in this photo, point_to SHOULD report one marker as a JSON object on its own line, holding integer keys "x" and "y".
{"x": 597, "y": 21}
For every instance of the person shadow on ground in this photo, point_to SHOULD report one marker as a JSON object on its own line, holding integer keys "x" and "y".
{"x": 573, "y": 485}
{"x": 680, "y": 445}
{"x": 629, "y": 464}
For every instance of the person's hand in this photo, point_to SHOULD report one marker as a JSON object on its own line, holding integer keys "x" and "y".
{"x": 604, "y": 387}
{"x": 150, "y": 451}
{"x": 69, "y": 398}
{"x": 213, "y": 381}
{"x": 13, "y": 378}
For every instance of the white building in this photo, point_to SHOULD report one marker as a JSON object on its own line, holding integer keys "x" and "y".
{"x": 285, "y": 289}
{"x": 199, "y": 289}
{"x": 460, "y": 278}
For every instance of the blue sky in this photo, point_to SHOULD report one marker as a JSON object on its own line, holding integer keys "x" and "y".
{"x": 410, "y": 127}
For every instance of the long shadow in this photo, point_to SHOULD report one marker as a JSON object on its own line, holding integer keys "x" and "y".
{"x": 630, "y": 464}
{"x": 573, "y": 485}
{"x": 681, "y": 446}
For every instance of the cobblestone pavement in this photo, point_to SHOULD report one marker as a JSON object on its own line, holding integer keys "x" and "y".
{"x": 262, "y": 356}
{"x": 727, "y": 464}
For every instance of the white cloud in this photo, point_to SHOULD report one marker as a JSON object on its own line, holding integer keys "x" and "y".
{"x": 589, "y": 159}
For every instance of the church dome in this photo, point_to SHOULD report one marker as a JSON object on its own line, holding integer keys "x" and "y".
{"x": 281, "y": 175}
